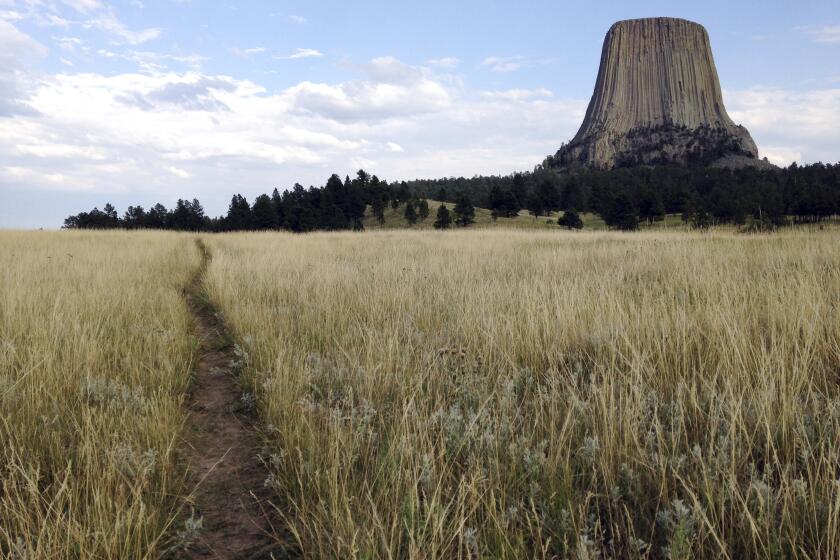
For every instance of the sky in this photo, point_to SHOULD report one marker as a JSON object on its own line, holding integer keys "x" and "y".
{"x": 146, "y": 101}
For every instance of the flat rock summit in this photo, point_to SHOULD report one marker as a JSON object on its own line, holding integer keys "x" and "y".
{"x": 657, "y": 100}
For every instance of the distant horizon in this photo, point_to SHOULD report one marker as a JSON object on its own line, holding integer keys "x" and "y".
{"x": 142, "y": 102}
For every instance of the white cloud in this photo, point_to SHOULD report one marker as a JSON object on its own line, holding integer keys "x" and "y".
{"x": 109, "y": 23}
{"x": 822, "y": 33}
{"x": 389, "y": 70}
{"x": 300, "y": 20}
{"x": 99, "y": 16}
{"x": 445, "y": 62}
{"x": 16, "y": 47}
{"x": 781, "y": 155}
{"x": 518, "y": 94}
{"x": 790, "y": 125}
{"x": 249, "y": 51}
{"x": 366, "y": 100}
{"x": 43, "y": 12}
{"x": 68, "y": 43}
{"x": 148, "y": 61}
{"x": 53, "y": 20}
{"x": 191, "y": 92}
{"x": 84, "y": 6}
{"x": 504, "y": 63}
{"x": 393, "y": 90}
{"x": 201, "y": 134}
{"x": 17, "y": 51}
{"x": 11, "y": 15}
{"x": 178, "y": 172}
{"x": 95, "y": 14}
{"x": 45, "y": 149}
{"x": 304, "y": 53}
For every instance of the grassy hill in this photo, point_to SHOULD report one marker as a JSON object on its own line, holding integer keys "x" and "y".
{"x": 394, "y": 220}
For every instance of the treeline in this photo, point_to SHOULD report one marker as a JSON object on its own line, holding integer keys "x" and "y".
{"x": 339, "y": 204}
{"x": 625, "y": 197}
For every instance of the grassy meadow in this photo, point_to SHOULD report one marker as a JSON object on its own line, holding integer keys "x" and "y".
{"x": 514, "y": 394}
{"x": 95, "y": 359}
{"x": 395, "y": 219}
{"x": 487, "y": 393}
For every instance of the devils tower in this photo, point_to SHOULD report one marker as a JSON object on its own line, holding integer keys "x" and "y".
{"x": 657, "y": 100}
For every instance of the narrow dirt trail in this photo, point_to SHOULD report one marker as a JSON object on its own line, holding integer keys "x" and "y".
{"x": 221, "y": 445}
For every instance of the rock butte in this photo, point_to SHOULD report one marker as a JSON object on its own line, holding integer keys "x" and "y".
{"x": 657, "y": 100}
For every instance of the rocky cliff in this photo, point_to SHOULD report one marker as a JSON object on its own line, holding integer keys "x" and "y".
{"x": 657, "y": 100}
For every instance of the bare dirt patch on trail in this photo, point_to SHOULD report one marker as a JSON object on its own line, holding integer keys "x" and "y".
{"x": 222, "y": 446}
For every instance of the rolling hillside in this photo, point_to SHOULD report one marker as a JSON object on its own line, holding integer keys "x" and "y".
{"x": 394, "y": 220}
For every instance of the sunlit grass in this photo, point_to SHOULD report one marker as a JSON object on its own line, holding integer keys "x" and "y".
{"x": 484, "y": 393}
{"x": 95, "y": 357}
{"x": 540, "y": 394}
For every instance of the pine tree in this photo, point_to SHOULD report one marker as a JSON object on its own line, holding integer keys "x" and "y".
{"x": 651, "y": 207}
{"x": 403, "y": 192}
{"x": 495, "y": 202}
{"x": 111, "y": 212}
{"x": 623, "y": 213}
{"x": 377, "y": 207}
{"x": 423, "y": 209}
{"x": 443, "y": 219}
{"x": 547, "y": 192}
{"x": 263, "y": 213}
{"x": 363, "y": 177}
{"x": 134, "y": 217}
{"x": 503, "y": 203}
{"x": 333, "y": 218}
{"x": 410, "y": 213}
{"x": 520, "y": 190}
{"x": 377, "y": 191}
{"x": 357, "y": 194}
{"x": 572, "y": 194}
{"x": 239, "y": 214}
{"x": 279, "y": 208}
{"x": 464, "y": 211}
{"x": 196, "y": 220}
{"x": 180, "y": 218}
{"x": 157, "y": 217}
{"x": 535, "y": 205}
{"x": 570, "y": 220}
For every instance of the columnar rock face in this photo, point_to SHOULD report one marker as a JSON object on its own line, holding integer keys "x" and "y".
{"x": 657, "y": 100}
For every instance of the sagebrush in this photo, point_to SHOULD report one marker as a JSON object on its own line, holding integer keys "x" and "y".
{"x": 512, "y": 394}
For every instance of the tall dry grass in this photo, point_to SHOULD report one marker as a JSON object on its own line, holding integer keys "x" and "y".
{"x": 95, "y": 357}
{"x": 509, "y": 394}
